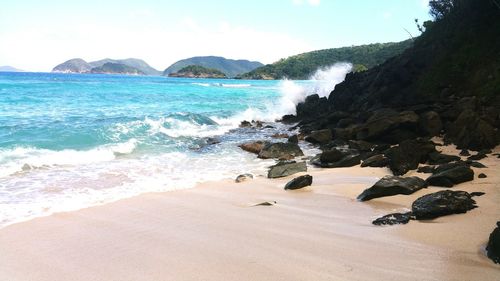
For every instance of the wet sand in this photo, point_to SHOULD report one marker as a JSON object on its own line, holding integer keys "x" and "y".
{"x": 213, "y": 232}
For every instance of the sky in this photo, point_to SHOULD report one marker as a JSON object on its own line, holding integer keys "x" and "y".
{"x": 37, "y": 35}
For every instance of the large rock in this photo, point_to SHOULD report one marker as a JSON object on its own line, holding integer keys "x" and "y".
{"x": 430, "y": 123}
{"x": 408, "y": 154}
{"x": 442, "y": 203}
{"x": 472, "y": 132}
{"x": 280, "y": 151}
{"x": 493, "y": 247}
{"x": 332, "y": 155}
{"x": 253, "y": 147}
{"x": 320, "y": 137}
{"x": 436, "y": 158}
{"x": 299, "y": 182}
{"x": 312, "y": 106}
{"x": 392, "y": 185}
{"x": 450, "y": 177}
{"x": 285, "y": 169}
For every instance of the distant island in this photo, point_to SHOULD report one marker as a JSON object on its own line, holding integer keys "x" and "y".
{"x": 302, "y": 66}
{"x": 129, "y": 66}
{"x": 8, "y": 68}
{"x": 196, "y": 71}
{"x": 229, "y": 67}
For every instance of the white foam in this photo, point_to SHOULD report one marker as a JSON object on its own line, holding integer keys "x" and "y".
{"x": 235, "y": 85}
{"x": 20, "y": 159}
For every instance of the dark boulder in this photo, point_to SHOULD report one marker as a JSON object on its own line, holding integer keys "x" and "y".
{"x": 430, "y": 124}
{"x": 245, "y": 124}
{"x": 377, "y": 160}
{"x": 286, "y": 168}
{"x": 332, "y": 155}
{"x": 408, "y": 154}
{"x": 425, "y": 169}
{"x": 450, "y": 177}
{"x": 493, "y": 246}
{"x": 320, "y": 137}
{"x": 475, "y": 164}
{"x": 471, "y": 132}
{"x": 395, "y": 218}
{"x": 384, "y": 122}
{"x": 482, "y": 176}
{"x": 312, "y": 106}
{"x": 392, "y": 185}
{"x": 436, "y": 158}
{"x": 442, "y": 203}
{"x": 293, "y": 139}
{"x": 464, "y": 152}
{"x": 477, "y": 156}
{"x": 253, "y": 147}
{"x": 360, "y": 145}
{"x": 336, "y": 159}
{"x": 299, "y": 182}
{"x": 243, "y": 177}
{"x": 280, "y": 151}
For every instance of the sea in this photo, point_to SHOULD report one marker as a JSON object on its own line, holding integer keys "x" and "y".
{"x": 72, "y": 141}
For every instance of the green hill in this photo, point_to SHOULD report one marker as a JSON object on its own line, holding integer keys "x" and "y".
{"x": 80, "y": 66}
{"x": 196, "y": 71}
{"x": 116, "y": 68}
{"x": 304, "y": 65}
{"x": 229, "y": 67}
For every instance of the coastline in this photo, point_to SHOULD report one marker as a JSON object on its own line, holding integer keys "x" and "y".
{"x": 212, "y": 232}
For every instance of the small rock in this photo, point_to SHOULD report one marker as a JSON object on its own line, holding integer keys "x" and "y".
{"x": 267, "y": 203}
{"x": 243, "y": 177}
{"x": 464, "y": 152}
{"x": 279, "y": 136}
{"x": 332, "y": 155}
{"x": 436, "y": 158}
{"x": 299, "y": 182}
{"x": 293, "y": 139}
{"x": 253, "y": 147}
{"x": 320, "y": 137}
{"x": 391, "y": 219}
{"x": 493, "y": 247}
{"x": 285, "y": 169}
{"x": 482, "y": 176}
{"x": 477, "y": 193}
{"x": 392, "y": 185}
{"x": 475, "y": 164}
{"x": 245, "y": 124}
{"x": 442, "y": 203}
{"x": 450, "y": 177}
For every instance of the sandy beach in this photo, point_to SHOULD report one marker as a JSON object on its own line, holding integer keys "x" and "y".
{"x": 213, "y": 232}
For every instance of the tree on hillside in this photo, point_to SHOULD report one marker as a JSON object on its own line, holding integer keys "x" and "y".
{"x": 441, "y": 8}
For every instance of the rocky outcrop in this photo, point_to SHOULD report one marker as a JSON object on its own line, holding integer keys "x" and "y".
{"x": 299, "y": 182}
{"x": 442, "y": 203}
{"x": 284, "y": 169}
{"x": 392, "y": 185}
{"x": 283, "y": 151}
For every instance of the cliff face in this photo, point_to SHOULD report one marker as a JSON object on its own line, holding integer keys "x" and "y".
{"x": 452, "y": 73}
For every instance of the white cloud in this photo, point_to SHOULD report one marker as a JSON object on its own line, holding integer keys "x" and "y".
{"x": 41, "y": 48}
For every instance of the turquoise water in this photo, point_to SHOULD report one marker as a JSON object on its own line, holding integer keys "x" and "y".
{"x": 70, "y": 141}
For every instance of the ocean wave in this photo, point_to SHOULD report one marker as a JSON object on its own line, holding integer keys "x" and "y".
{"x": 235, "y": 85}
{"x": 201, "y": 84}
{"x": 23, "y": 159}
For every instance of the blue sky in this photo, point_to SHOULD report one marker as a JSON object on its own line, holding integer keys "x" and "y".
{"x": 37, "y": 35}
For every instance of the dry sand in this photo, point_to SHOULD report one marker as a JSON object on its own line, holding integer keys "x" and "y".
{"x": 212, "y": 232}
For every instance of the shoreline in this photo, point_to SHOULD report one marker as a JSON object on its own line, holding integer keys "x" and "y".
{"x": 212, "y": 232}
